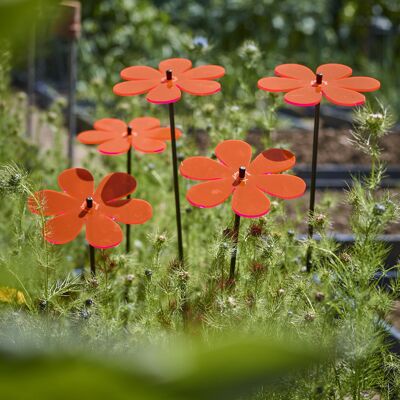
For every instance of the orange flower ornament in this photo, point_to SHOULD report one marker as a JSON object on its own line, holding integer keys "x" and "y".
{"x": 164, "y": 85}
{"x": 303, "y": 87}
{"x": 79, "y": 204}
{"x": 114, "y": 136}
{"x": 247, "y": 181}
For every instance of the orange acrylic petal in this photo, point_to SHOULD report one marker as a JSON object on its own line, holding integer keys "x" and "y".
{"x": 234, "y": 153}
{"x": 295, "y": 71}
{"x": 334, "y": 71}
{"x": 140, "y": 72}
{"x": 205, "y": 72}
{"x": 249, "y": 202}
{"x": 119, "y": 145}
{"x": 50, "y": 202}
{"x": 115, "y": 186}
{"x": 96, "y": 137}
{"x": 272, "y": 161}
{"x": 358, "y": 83}
{"x": 147, "y": 145}
{"x": 199, "y": 87}
{"x": 164, "y": 93}
{"x": 203, "y": 168}
{"x": 102, "y": 232}
{"x": 110, "y": 124}
{"x": 128, "y": 211}
{"x": 274, "y": 84}
{"x": 304, "y": 97}
{"x": 77, "y": 182}
{"x": 343, "y": 97}
{"x": 132, "y": 88}
{"x": 280, "y": 185}
{"x": 143, "y": 123}
{"x": 162, "y": 133}
{"x": 210, "y": 194}
{"x": 177, "y": 65}
{"x": 63, "y": 228}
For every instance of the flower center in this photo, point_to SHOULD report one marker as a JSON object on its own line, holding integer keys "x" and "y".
{"x": 240, "y": 176}
{"x": 169, "y": 78}
{"x": 89, "y": 202}
{"x": 318, "y": 80}
{"x": 130, "y": 132}
{"x": 88, "y": 205}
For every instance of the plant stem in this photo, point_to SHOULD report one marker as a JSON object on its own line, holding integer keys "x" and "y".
{"x": 313, "y": 183}
{"x": 176, "y": 182}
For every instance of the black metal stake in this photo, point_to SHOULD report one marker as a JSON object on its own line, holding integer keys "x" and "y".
{"x": 313, "y": 177}
{"x": 128, "y": 170}
{"x": 89, "y": 205}
{"x": 235, "y": 234}
{"x": 175, "y": 172}
{"x": 31, "y": 81}
{"x": 73, "y": 49}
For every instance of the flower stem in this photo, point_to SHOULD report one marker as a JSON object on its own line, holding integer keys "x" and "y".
{"x": 235, "y": 239}
{"x": 128, "y": 170}
{"x": 176, "y": 182}
{"x": 313, "y": 183}
{"x": 92, "y": 260}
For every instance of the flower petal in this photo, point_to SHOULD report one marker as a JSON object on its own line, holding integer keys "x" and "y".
{"x": 334, "y": 71}
{"x": 140, "y": 72}
{"x": 274, "y": 84}
{"x": 199, "y": 87}
{"x": 205, "y": 72}
{"x": 164, "y": 93}
{"x": 147, "y": 145}
{"x": 304, "y": 97}
{"x": 96, "y": 137}
{"x": 250, "y": 202}
{"x": 143, "y": 123}
{"x": 110, "y": 124}
{"x": 63, "y": 228}
{"x": 295, "y": 71}
{"x": 128, "y": 211}
{"x": 177, "y": 65}
{"x": 359, "y": 83}
{"x": 77, "y": 182}
{"x": 203, "y": 168}
{"x": 132, "y": 88}
{"x": 234, "y": 153}
{"x": 210, "y": 194}
{"x": 50, "y": 202}
{"x": 102, "y": 232}
{"x": 115, "y": 186}
{"x": 162, "y": 133}
{"x": 281, "y": 185}
{"x": 272, "y": 161}
{"x": 115, "y": 146}
{"x": 343, "y": 97}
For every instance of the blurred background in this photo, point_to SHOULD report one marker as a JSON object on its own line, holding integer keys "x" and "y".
{"x": 249, "y": 38}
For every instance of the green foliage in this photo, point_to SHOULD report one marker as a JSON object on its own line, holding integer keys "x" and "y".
{"x": 188, "y": 370}
{"x": 145, "y": 299}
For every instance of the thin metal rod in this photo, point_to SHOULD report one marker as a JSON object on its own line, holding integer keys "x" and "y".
{"x": 176, "y": 182}
{"x": 92, "y": 260}
{"x": 73, "y": 51}
{"x": 31, "y": 81}
{"x": 235, "y": 239}
{"x": 313, "y": 182}
{"x": 128, "y": 170}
